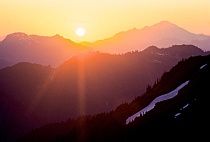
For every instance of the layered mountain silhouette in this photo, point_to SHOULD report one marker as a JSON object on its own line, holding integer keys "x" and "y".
{"x": 44, "y": 50}
{"x": 54, "y": 50}
{"x": 162, "y": 34}
{"x": 100, "y": 85}
{"x": 86, "y": 84}
{"x": 183, "y": 117}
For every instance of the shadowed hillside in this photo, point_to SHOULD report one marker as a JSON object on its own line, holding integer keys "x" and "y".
{"x": 183, "y": 117}
{"x": 86, "y": 84}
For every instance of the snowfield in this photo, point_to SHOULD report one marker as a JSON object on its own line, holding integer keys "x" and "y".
{"x": 161, "y": 98}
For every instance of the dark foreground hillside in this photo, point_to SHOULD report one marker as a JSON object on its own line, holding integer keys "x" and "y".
{"x": 32, "y": 95}
{"x": 183, "y": 117}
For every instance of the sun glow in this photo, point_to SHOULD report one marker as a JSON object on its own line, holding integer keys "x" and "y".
{"x": 99, "y": 19}
{"x": 80, "y": 31}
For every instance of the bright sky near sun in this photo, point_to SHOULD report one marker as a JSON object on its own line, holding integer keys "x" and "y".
{"x": 100, "y": 18}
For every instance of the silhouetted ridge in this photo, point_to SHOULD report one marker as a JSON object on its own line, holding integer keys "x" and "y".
{"x": 162, "y": 121}
{"x": 17, "y": 35}
{"x": 99, "y": 82}
{"x": 165, "y": 24}
{"x": 16, "y": 38}
{"x": 151, "y": 49}
{"x": 4, "y": 63}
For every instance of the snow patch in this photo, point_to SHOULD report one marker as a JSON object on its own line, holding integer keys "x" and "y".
{"x": 161, "y": 54}
{"x": 164, "y": 97}
{"x": 156, "y": 61}
{"x": 177, "y": 114}
{"x": 185, "y": 106}
{"x": 203, "y": 66}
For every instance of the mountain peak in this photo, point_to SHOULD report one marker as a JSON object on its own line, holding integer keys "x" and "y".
{"x": 151, "y": 49}
{"x": 57, "y": 36}
{"x": 164, "y": 24}
{"x": 17, "y": 36}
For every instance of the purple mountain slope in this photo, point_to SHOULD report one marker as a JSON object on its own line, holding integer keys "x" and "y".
{"x": 20, "y": 47}
{"x": 163, "y": 34}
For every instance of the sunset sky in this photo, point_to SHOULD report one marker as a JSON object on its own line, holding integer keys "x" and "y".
{"x": 100, "y": 18}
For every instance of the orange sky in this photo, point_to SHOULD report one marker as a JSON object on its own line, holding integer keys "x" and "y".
{"x": 100, "y": 18}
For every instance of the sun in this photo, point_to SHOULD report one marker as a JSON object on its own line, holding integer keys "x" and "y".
{"x": 80, "y": 31}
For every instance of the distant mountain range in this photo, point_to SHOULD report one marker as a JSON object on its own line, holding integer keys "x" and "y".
{"x": 86, "y": 84}
{"x": 163, "y": 35}
{"x": 181, "y": 117}
{"x": 54, "y": 50}
{"x": 44, "y": 50}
